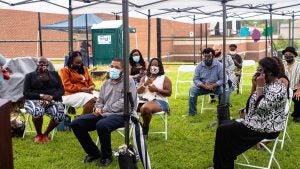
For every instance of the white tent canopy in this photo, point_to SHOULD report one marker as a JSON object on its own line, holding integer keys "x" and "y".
{"x": 182, "y": 11}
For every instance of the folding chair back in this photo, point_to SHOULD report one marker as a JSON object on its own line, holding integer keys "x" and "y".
{"x": 246, "y": 63}
{"x": 181, "y": 70}
{"x": 287, "y": 110}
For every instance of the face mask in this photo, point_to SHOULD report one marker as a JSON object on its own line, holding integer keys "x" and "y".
{"x": 218, "y": 54}
{"x": 76, "y": 66}
{"x": 42, "y": 68}
{"x": 232, "y": 52}
{"x": 208, "y": 62}
{"x": 154, "y": 70}
{"x": 289, "y": 59}
{"x": 136, "y": 58}
{"x": 114, "y": 73}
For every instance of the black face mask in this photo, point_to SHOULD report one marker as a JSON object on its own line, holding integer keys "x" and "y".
{"x": 208, "y": 62}
{"x": 76, "y": 66}
{"x": 290, "y": 60}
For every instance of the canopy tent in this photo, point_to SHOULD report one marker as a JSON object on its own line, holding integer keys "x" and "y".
{"x": 79, "y": 23}
{"x": 165, "y": 9}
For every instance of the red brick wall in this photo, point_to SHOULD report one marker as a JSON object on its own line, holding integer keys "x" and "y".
{"x": 21, "y": 25}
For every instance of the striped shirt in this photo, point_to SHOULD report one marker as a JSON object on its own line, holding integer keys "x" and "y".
{"x": 293, "y": 74}
{"x": 213, "y": 74}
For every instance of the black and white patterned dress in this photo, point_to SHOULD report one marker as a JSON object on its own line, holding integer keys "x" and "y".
{"x": 266, "y": 114}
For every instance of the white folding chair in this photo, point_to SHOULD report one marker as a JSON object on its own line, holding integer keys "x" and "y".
{"x": 271, "y": 151}
{"x": 182, "y": 69}
{"x": 246, "y": 63}
{"x": 287, "y": 110}
{"x": 164, "y": 117}
{"x": 121, "y": 132}
{"x": 28, "y": 124}
{"x": 203, "y": 107}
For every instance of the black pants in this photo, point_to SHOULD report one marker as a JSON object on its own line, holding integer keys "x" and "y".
{"x": 232, "y": 139}
{"x": 104, "y": 126}
{"x": 296, "y": 113}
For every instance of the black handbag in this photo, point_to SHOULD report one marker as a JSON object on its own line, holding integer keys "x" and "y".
{"x": 127, "y": 157}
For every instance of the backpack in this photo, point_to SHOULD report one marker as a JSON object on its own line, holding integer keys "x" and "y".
{"x": 64, "y": 125}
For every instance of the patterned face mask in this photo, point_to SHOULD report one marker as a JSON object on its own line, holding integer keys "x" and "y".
{"x": 154, "y": 70}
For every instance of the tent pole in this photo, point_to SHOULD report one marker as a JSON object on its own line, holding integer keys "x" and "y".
{"x": 289, "y": 32}
{"x": 293, "y": 28}
{"x": 149, "y": 34}
{"x": 200, "y": 42}
{"x": 70, "y": 17}
{"x": 271, "y": 26}
{"x": 194, "y": 24}
{"x": 206, "y": 35}
{"x": 266, "y": 26}
{"x": 40, "y": 35}
{"x": 87, "y": 39}
{"x": 125, "y": 66}
{"x": 158, "y": 34}
{"x": 224, "y": 47}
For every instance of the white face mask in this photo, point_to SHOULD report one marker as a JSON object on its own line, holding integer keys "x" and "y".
{"x": 154, "y": 70}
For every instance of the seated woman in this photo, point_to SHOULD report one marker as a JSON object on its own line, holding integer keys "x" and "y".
{"x": 137, "y": 68}
{"x": 155, "y": 87}
{"x": 78, "y": 84}
{"x": 43, "y": 92}
{"x": 264, "y": 119}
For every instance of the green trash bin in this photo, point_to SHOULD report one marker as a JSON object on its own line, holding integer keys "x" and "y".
{"x": 107, "y": 39}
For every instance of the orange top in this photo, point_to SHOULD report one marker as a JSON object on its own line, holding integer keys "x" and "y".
{"x": 73, "y": 82}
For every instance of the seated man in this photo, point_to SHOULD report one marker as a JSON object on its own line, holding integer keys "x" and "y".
{"x": 78, "y": 84}
{"x": 107, "y": 116}
{"x": 155, "y": 87}
{"x": 43, "y": 92}
{"x": 208, "y": 78}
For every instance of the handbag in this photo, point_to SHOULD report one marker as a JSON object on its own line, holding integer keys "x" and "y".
{"x": 127, "y": 157}
{"x": 64, "y": 125}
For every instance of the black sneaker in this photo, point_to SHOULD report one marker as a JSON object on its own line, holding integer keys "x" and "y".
{"x": 71, "y": 110}
{"x": 105, "y": 162}
{"x": 90, "y": 158}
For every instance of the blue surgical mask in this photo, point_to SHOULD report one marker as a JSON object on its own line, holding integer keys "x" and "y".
{"x": 136, "y": 58}
{"x": 114, "y": 73}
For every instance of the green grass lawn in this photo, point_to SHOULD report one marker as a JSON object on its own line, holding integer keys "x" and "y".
{"x": 190, "y": 142}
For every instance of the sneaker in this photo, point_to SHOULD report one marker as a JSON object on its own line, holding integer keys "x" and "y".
{"x": 38, "y": 139}
{"x": 90, "y": 158}
{"x": 71, "y": 110}
{"x": 105, "y": 162}
{"x": 213, "y": 101}
{"x": 46, "y": 139}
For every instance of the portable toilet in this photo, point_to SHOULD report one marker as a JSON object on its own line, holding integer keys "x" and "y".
{"x": 107, "y": 39}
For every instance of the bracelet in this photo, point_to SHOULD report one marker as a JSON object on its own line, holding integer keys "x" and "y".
{"x": 259, "y": 87}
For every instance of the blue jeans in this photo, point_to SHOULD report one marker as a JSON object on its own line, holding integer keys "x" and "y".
{"x": 197, "y": 91}
{"x": 104, "y": 126}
